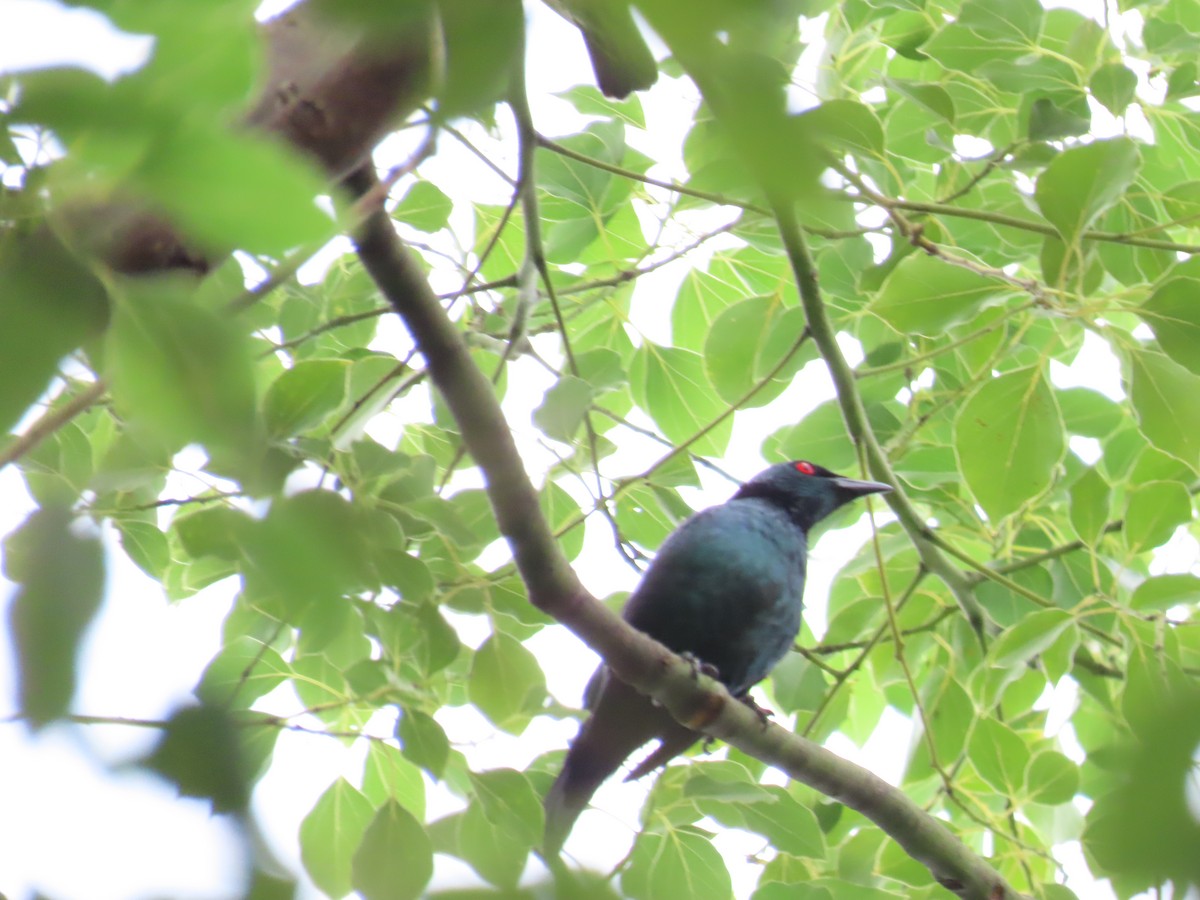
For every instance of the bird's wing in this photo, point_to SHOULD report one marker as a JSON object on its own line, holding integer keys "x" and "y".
{"x": 726, "y": 587}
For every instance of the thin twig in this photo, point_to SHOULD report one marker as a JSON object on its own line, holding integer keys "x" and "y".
{"x": 53, "y": 420}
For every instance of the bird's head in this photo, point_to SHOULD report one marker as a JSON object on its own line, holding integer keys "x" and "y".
{"x": 807, "y": 491}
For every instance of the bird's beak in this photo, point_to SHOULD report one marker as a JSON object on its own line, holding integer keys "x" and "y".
{"x": 855, "y": 488}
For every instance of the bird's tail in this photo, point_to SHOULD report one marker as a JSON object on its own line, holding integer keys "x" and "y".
{"x": 622, "y": 720}
{"x": 570, "y": 794}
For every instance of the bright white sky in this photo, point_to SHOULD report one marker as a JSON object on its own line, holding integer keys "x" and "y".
{"x": 76, "y": 824}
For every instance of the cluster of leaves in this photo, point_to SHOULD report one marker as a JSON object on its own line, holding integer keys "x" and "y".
{"x": 984, "y": 274}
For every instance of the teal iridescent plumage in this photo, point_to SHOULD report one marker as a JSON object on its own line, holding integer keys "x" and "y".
{"x": 727, "y": 587}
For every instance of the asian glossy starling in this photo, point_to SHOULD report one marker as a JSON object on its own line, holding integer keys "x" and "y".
{"x": 726, "y": 587}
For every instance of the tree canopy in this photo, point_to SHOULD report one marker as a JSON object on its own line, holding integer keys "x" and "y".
{"x": 939, "y": 204}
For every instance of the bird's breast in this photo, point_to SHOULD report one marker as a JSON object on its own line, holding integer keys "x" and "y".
{"x": 727, "y": 587}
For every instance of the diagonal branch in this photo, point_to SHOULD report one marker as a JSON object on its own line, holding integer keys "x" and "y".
{"x": 856, "y": 418}
{"x": 699, "y": 702}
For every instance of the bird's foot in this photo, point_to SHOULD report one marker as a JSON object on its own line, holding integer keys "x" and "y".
{"x": 764, "y": 714}
{"x": 700, "y": 667}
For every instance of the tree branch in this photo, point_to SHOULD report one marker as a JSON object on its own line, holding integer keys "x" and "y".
{"x": 856, "y": 418}
{"x": 52, "y": 421}
{"x": 699, "y": 702}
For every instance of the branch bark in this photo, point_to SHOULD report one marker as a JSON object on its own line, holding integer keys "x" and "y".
{"x": 697, "y": 701}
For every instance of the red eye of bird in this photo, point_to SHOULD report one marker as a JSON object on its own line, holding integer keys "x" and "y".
{"x": 806, "y": 468}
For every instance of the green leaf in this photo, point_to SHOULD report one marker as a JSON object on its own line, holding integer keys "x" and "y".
{"x": 1051, "y": 121}
{"x": 60, "y": 578}
{"x": 180, "y": 371}
{"x": 1083, "y": 182}
{"x": 999, "y": 755}
{"x": 424, "y": 207}
{"x": 561, "y": 509}
{"x": 746, "y": 342}
{"x": 243, "y": 671}
{"x": 1115, "y": 86}
{"x": 670, "y": 384}
{"x": 1182, "y": 82}
{"x": 1009, "y": 440}
{"x": 203, "y": 176}
{"x": 200, "y": 752}
{"x": 510, "y": 803}
{"x": 1089, "y": 506}
{"x": 1166, "y": 400}
{"x": 951, "y": 714}
{"x": 301, "y": 397}
{"x": 416, "y": 636}
{"x": 439, "y": 644}
{"x": 1051, "y": 778}
{"x": 1157, "y": 760}
{"x": 506, "y": 683}
{"x": 589, "y": 101}
{"x": 778, "y": 890}
{"x": 1152, "y": 513}
{"x": 388, "y": 775}
{"x": 213, "y": 531}
{"x": 331, "y": 834}
{"x": 311, "y": 546}
{"x": 796, "y": 684}
{"x": 1029, "y": 637}
{"x": 933, "y": 97}
{"x": 1017, "y": 24}
{"x": 423, "y": 740}
{"x": 58, "y": 469}
{"x": 49, "y": 303}
{"x": 789, "y": 825}
{"x": 820, "y": 435}
{"x": 844, "y": 125}
{"x": 563, "y": 408}
{"x": 495, "y": 854}
{"x": 146, "y": 545}
{"x": 406, "y": 574}
{"x": 1165, "y": 591}
{"x": 958, "y": 47}
{"x": 926, "y": 295}
{"x": 482, "y": 41}
{"x": 1089, "y": 413}
{"x": 601, "y": 368}
{"x": 681, "y": 863}
{"x": 394, "y": 861}
{"x": 1173, "y": 313}
{"x": 369, "y": 377}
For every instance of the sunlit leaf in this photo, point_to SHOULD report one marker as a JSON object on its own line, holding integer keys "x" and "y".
{"x": 1165, "y": 591}
{"x": 395, "y": 859}
{"x": 1166, "y": 400}
{"x": 330, "y": 835}
{"x": 506, "y": 683}
{"x": 670, "y": 384}
{"x": 1009, "y": 439}
{"x": 681, "y": 862}
{"x": 1173, "y": 315}
{"x": 926, "y": 295}
{"x": 1083, "y": 182}
{"x": 304, "y": 395}
{"x": 60, "y": 577}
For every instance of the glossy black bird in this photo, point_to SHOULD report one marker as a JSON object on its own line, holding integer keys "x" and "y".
{"x": 727, "y": 587}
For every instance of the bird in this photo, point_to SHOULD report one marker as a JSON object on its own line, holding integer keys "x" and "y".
{"x": 726, "y": 590}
